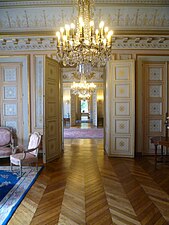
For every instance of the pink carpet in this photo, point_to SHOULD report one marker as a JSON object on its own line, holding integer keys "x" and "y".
{"x": 78, "y": 133}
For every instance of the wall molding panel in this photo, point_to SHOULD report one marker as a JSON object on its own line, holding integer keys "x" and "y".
{"x": 39, "y": 77}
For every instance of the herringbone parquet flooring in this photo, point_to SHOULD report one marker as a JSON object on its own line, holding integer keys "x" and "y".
{"x": 87, "y": 187}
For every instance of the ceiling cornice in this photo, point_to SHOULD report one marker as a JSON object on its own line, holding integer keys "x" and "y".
{"x": 117, "y": 33}
{"x": 118, "y": 42}
{"x": 41, "y": 3}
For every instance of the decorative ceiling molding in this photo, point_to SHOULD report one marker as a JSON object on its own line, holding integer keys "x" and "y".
{"x": 70, "y": 2}
{"x": 35, "y": 3}
{"x": 134, "y": 2}
{"x": 119, "y": 42}
{"x": 49, "y": 19}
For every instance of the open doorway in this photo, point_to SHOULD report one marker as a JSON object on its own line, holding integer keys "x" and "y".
{"x": 66, "y": 107}
{"x": 83, "y": 115}
{"x": 85, "y": 110}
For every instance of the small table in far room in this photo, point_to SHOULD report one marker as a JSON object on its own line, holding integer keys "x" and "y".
{"x": 66, "y": 121}
{"x": 163, "y": 141}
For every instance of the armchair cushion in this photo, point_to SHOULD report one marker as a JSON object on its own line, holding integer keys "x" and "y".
{"x": 5, "y": 136}
{"x": 5, "y": 151}
{"x": 19, "y": 157}
{"x": 6, "y": 142}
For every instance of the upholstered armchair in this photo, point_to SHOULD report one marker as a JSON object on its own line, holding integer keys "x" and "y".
{"x": 27, "y": 155}
{"x": 6, "y": 142}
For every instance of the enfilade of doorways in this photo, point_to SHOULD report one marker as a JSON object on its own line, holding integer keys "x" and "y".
{"x": 88, "y": 115}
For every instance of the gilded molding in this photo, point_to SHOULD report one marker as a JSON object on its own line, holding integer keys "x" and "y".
{"x": 119, "y": 42}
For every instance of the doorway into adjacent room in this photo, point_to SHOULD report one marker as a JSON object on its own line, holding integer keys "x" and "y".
{"x": 82, "y": 116}
{"x": 85, "y": 111}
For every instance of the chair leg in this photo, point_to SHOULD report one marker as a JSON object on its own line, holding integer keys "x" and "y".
{"x": 37, "y": 167}
{"x": 11, "y": 166}
{"x": 20, "y": 169}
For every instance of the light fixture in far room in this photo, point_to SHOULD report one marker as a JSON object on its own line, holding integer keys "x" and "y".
{"x": 83, "y": 89}
{"x": 84, "y": 97}
{"x": 83, "y": 43}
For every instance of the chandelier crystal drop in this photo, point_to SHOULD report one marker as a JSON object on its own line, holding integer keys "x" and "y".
{"x": 83, "y": 43}
{"x": 84, "y": 70}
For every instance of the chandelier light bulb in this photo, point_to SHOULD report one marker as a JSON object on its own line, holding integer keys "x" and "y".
{"x": 101, "y": 25}
{"x": 67, "y": 27}
{"x": 58, "y": 34}
{"x": 72, "y": 25}
{"x": 104, "y": 42}
{"x": 97, "y": 31}
{"x": 110, "y": 33}
{"x": 106, "y": 29}
{"x": 80, "y": 19}
{"x": 61, "y": 29}
{"x": 91, "y": 23}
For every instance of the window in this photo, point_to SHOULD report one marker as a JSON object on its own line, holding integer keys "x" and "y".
{"x": 84, "y": 106}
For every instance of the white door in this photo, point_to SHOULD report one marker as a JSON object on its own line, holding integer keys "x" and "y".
{"x": 52, "y": 135}
{"x": 120, "y": 108}
{"x": 154, "y": 102}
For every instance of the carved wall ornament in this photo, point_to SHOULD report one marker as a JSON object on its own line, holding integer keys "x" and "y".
{"x": 77, "y": 76}
{"x": 70, "y": 75}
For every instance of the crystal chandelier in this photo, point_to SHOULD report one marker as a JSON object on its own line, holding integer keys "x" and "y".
{"x": 86, "y": 96}
{"x": 83, "y": 43}
{"x": 83, "y": 89}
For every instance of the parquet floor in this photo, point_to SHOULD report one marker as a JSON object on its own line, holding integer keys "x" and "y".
{"x": 87, "y": 187}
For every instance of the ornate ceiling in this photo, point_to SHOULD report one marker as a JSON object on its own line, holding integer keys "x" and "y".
{"x": 32, "y": 25}
{"x": 47, "y": 16}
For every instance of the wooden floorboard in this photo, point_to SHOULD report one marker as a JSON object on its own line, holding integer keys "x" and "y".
{"x": 87, "y": 187}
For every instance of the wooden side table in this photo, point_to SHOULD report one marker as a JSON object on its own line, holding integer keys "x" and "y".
{"x": 163, "y": 141}
{"x": 66, "y": 121}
